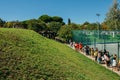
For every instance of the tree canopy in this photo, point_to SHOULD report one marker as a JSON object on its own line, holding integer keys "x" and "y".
{"x": 57, "y": 19}
{"x": 113, "y": 17}
{"x": 2, "y": 22}
{"x": 45, "y": 18}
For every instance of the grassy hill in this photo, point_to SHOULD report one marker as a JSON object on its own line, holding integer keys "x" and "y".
{"x": 25, "y": 55}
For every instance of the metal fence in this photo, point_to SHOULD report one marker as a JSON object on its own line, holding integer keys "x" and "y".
{"x": 108, "y": 40}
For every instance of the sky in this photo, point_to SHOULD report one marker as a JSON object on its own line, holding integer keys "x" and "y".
{"x": 79, "y": 11}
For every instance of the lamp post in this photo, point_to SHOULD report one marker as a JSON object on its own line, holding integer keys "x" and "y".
{"x": 104, "y": 37}
{"x": 98, "y": 25}
{"x": 118, "y": 51}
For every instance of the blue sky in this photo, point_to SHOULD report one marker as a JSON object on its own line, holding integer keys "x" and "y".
{"x": 78, "y": 11}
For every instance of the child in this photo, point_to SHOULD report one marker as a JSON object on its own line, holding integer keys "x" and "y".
{"x": 114, "y": 63}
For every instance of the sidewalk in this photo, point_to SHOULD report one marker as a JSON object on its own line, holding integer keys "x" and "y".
{"x": 118, "y": 72}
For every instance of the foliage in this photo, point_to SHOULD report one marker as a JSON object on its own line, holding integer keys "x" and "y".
{"x": 69, "y": 21}
{"x": 8, "y": 25}
{"x": 104, "y": 26}
{"x": 93, "y": 26}
{"x": 66, "y": 31}
{"x": 86, "y": 23}
{"x": 54, "y": 26}
{"x": 89, "y": 26}
{"x": 45, "y": 18}
{"x": 25, "y": 55}
{"x": 2, "y": 22}
{"x": 36, "y": 25}
{"x": 74, "y": 26}
{"x": 15, "y": 24}
{"x": 57, "y": 19}
{"x": 113, "y": 17}
{"x": 24, "y": 24}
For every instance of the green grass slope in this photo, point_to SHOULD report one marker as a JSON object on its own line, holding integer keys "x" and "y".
{"x": 25, "y": 55}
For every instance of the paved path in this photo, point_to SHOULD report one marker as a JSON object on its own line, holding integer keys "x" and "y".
{"x": 118, "y": 72}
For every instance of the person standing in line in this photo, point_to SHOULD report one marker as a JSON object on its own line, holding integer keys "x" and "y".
{"x": 99, "y": 58}
{"x": 96, "y": 54}
{"x": 92, "y": 52}
{"x": 87, "y": 50}
{"x": 80, "y": 46}
{"x": 114, "y": 64}
{"x": 107, "y": 60}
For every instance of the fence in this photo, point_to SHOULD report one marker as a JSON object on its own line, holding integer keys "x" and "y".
{"x": 108, "y": 40}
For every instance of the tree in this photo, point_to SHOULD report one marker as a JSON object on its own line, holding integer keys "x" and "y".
{"x": 52, "y": 29}
{"x": 86, "y": 23}
{"x": 36, "y": 25}
{"x": 69, "y": 21}
{"x": 14, "y": 24}
{"x": 74, "y": 26}
{"x": 113, "y": 17}
{"x": 45, "y": 18}
{"x": 8, "y": 25}
{"x": 17, "y": 24}
{"x": 57, "y": 19}
{"x": 93, "y": 26}
{"x": 104, "y": 26}
{"x": 84, "y": 26}
{"x": 65, "y": 31}
{"x": 24, "y": 24}
{"x": 54, "y": 26}
{"x": 2, "y": 22}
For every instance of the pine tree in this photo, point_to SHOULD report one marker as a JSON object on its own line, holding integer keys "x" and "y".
{"x": 113, "y": 17}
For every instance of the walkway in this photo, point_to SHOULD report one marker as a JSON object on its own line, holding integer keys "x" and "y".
{"x": 118, "y": 72}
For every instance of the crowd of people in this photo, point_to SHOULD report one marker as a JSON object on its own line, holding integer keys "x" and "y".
{"x": 101, "y": 57}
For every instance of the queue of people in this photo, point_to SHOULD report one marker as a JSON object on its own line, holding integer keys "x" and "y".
{"x": 102, "y": 57}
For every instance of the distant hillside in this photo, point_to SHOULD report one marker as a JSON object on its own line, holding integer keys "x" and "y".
{"x": 26, "y": 55}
